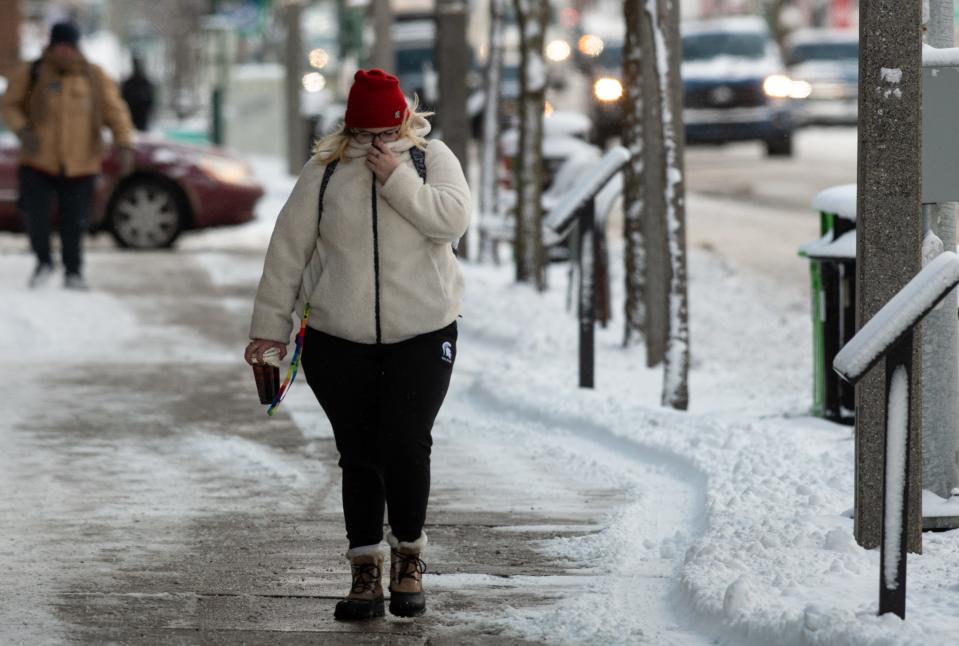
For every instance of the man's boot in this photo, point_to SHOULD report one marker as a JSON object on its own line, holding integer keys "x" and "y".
{"x": 406, "y": 576}
{"x": 365, "y": 600}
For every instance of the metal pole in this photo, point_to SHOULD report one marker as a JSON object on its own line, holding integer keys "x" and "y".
{"x": 587, "y": 293}
{"x": 896, "y": 480}
{"x": 940, "y": 339}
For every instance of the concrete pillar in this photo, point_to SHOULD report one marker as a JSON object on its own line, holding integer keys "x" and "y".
{"x": 889, "y": 235}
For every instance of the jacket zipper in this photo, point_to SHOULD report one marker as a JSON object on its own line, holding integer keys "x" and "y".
{"x": 376, "y": 265}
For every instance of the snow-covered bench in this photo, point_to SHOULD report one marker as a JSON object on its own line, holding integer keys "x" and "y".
{"x": 501, "y": 226}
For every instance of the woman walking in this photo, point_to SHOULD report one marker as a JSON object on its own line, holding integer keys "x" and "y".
{"x": 364, "y": 247}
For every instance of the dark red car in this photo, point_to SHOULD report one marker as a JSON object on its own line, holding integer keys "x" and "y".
{"x": 174, "y": 188}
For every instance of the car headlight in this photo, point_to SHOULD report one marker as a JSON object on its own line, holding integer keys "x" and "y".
{"x": 800, "y": 90}
{"x": 590, "y": 45}
{"x": 228, "y": 171}
{"x": 558, "y": 50}
{"x": 608, "y": 90}
{"x": 319, "y": 58}
{"x": 778, "y": 86}
{"x": 314, "y": 82}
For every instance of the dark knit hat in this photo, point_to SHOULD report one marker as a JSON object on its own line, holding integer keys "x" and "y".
{"x": 65, "y": 33}
{"x": 375, "y": 101}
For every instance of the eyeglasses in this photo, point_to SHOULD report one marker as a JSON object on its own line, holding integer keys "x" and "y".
{"x": 367, "y": 137}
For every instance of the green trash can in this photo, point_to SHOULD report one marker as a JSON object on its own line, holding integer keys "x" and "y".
{"x": 832, "y": 272}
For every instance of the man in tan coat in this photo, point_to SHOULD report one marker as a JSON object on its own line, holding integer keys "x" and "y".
{"x": 58, "y": 106}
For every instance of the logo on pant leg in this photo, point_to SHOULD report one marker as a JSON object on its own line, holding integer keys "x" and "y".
{"x": 447, "y": 352}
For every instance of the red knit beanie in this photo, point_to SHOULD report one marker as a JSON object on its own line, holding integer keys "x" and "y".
{"x": 375, "y": 101}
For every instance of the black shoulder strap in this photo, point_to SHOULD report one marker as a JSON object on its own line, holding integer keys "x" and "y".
{"x": 419, "y": 161}
{"x": 327, "y": 174}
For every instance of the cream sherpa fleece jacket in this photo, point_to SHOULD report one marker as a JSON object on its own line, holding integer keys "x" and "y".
{"x": 382, "y": 269}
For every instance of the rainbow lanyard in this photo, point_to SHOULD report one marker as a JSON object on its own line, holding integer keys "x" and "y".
{"x": 294, "y": 364}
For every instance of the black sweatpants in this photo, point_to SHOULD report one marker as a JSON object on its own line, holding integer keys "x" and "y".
{"x": 382, "y": 400}
{"x": 74, "y": 196}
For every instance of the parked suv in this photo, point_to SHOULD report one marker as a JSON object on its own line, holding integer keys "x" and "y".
{"x": 734, "y": 85}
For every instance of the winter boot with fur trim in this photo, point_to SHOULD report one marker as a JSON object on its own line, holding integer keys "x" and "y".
{"x": 365, "y": 600}
{"x": 406, "y": 576}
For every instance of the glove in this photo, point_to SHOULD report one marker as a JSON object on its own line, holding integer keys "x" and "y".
{"x": 29, "y": 142}
{"x": 126, "y": 159}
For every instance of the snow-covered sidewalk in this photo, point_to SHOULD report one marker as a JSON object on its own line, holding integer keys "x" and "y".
{"x": 769, "y": 556}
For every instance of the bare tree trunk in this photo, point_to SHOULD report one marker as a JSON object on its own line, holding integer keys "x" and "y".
{"x": 633, "y": 190}
{"x": 488, "y": 185}
{"x": 657, "y": 271}
{"x": 530, "y": 255}
{"x": 382, "y": 55}
{"x": 664, "y": 17}
{"x": 452, "y": 59}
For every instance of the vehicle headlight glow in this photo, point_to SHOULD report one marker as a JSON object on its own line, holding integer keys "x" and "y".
{"x": 314, "y": 82}
{"x": 608, "y": 90}
{"x": 800, "y": 90}
{"x": 590, "y": 45}
{"x": 319, "y": 58}
{"x": 778, "y": 86}
{"x": 228, "y": 171}
{"x": 558, "y": 51}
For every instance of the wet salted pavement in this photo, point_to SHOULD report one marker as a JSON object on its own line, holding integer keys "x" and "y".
{"x": 148, "y": 499}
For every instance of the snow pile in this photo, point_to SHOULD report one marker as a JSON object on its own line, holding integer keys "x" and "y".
{"x": 52, "y": 324}
{"x": 773, "y": 558}
{"x": 840, "y": 200}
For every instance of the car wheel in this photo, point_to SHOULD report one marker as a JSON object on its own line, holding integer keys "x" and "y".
{"x": 781, "y": 146}
{"x": 146, "y": 213}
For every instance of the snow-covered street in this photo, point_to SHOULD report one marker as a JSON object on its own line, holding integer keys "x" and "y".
{"x": 150, "y": 500}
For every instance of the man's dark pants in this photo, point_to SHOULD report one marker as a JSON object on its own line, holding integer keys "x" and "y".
{"x": 74, "y": 196}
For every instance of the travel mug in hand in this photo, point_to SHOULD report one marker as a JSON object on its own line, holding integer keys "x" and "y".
{"x": 267, "y": 375}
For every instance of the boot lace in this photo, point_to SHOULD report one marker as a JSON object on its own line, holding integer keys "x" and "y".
{"x": 410, "y": 565}
{"x": 365, "y": 576}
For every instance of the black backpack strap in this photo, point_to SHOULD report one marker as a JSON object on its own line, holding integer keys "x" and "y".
{"x": 419, "y": 161}
{"x": 327, "y": 174}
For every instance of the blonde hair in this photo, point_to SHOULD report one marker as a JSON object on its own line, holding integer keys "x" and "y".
{"x": 333, "y": 146}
